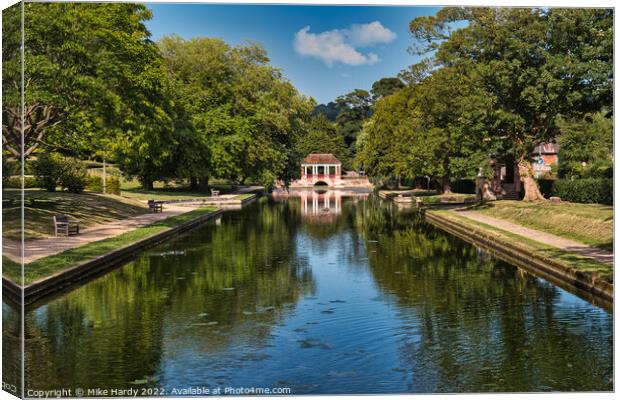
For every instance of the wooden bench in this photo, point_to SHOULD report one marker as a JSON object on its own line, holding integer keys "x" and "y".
{"x": 155, "y": 206}
{"x": 215, "y": 193}
{"x": 65, "y": 225}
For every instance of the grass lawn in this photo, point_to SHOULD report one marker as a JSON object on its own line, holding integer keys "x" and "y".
{"x": 137, "y": 193}
{"x": 531, "y": 246}
{"x": 169, "y": 194}
{"x": 70, "y": 258}
{"x": 11, "y": 269}
{"x": 41, "y": 206}
{"x": 591, "y": 224}
{"x": 448, "y": 198}
{"x": 161, "y": 194}
{"x": 408, "y": 193}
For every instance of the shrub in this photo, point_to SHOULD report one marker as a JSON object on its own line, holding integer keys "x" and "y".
{"x": 9, "y": 168}
{"x": 467, "y": 186}
{"x": 113, "y": 185}
{"x": 13, "y": 182}
{"x": 591, "y": 190}
{"x": 546, "y": 187}
{"x": 74, "y": 177}
{"x": 52, "y": 170}
{"x": 47, "y": 171}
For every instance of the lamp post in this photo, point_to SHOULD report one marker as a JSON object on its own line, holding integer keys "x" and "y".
{"x": 104, "y": 178}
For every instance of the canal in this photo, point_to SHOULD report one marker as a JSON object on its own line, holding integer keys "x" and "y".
{"x": 322, "y": 293}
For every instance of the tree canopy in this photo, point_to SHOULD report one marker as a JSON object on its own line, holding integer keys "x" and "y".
{"x": 97, "y": 86}
{"x": 499, "y": 82}
{"x": 322, "y": 137}
{"x": 586, "y": 146}
{"x": 93, "y": 85}
{"x": 385, "y": 87}
{"x": 534, "y": 65}
{"x": 430, "y": 129}
{"x": 245, "y": 116}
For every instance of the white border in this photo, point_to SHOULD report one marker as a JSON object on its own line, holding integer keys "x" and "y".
{"x": 509, "y": 3}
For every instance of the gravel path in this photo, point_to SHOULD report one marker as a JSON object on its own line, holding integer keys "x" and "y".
{"x": 597, "y": 254}
{"x": 38, "y": 248}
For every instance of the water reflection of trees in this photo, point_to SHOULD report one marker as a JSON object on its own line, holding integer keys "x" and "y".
{"x": 225, "y": 284}
{"x": 473, "y": 323}
{"x": 11, "y": 348}
{"x": 209, "y": 302}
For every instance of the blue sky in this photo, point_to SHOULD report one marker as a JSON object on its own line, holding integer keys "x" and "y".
{"x": 325, "y": 51}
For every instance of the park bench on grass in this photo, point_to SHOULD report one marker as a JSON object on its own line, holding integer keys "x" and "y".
{"x": 215, "y": 193}
{"x": 156, "y": 206}
{"x": 66, "y": 226}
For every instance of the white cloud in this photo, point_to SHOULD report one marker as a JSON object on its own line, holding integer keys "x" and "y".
{"x": 370, "y": 34}
{"x": 339, "y": 45}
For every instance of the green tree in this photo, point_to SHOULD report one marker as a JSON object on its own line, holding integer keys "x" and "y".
{"x": 322, "y": 137}
{"x": 586, "y": 146}
{"x": 11, "y": 93}
{"x": 534, "y": 65}
{"x": 93, "y": 85}
{"x": 330, "y": 110}
{"x": 430, "y": 129}
{"x": 385, "y": 87}
{"x": 355, "y": 107}
{"x": 244, "y": 115}
{"x": 454, "y": 111}
{"x": 394, "y": 143}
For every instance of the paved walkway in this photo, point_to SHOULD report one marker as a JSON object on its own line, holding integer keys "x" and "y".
{"x": 248, "y": 189}
{"x": 600, "y": 255}
{"x": 35, "y": 249}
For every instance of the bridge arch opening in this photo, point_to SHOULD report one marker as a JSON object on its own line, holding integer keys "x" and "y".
{"x": 321, "y": 183}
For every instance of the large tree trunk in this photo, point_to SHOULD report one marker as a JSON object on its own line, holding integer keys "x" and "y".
{"x": 204, "y": 184}
{"x": 532, "y": 193}
{"x": 445, "y": 185}
{"x": 483, "y": 190}
{"x": 147, "y": 183}
{"x": 193, "y": 183}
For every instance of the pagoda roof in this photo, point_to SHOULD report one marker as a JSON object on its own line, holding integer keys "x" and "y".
{"x": 318, "y": 158}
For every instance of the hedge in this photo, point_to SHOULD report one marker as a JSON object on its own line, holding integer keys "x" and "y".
{"x": 546, "y": 187}
{"x": 113, "y": 185}
{"x": 14, "y": 182}
{"x": 466, "y": 186}
{"x": 591, "y": 190}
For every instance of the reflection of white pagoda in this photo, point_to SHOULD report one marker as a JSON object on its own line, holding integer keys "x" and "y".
{"x": 315, "y": 202}
{"x": 320, "y": 205}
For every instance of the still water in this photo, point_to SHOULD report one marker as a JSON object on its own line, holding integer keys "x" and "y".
{"x": 321, "y": 293}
